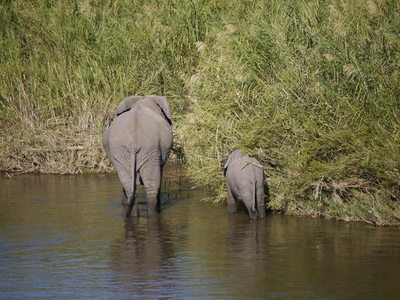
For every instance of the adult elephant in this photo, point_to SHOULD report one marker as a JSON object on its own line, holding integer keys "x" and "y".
{"x": 138, "y": 143}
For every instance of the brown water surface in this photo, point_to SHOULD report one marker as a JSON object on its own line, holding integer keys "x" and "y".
{"x": 64, "y": 237}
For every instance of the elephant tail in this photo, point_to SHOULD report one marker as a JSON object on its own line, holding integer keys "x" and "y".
{"x": 254, "y": 212}
{"x": 254, "y": 195}
{"x": 131, "y": 200}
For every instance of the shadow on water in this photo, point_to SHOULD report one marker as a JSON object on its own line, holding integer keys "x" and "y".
{"x": 64, "y": 237}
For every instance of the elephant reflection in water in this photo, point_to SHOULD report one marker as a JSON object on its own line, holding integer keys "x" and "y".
{"x": 145, "y": 258}
{"x": 248, "y": 241}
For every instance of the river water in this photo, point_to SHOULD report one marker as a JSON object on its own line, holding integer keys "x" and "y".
{"x": 64, "y": 237}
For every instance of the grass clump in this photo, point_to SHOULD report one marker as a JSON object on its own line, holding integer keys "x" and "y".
{"x": 310, "y": 88}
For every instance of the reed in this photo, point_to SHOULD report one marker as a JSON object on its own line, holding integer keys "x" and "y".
{"x": 311, "y": 88}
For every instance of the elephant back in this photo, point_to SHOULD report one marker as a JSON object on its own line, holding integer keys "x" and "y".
{"x": 126, "y": 104}
{"x": 238, "y": 161}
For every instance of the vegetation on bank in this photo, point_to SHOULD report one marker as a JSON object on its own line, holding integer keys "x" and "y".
{"x": 311, "y": 88}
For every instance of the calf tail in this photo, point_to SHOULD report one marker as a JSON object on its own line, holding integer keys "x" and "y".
{"x": 252, "y": 210}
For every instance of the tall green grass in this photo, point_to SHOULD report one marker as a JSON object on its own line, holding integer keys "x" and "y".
{"x": 65, "y": 65}
{"x": 312, "y": 88}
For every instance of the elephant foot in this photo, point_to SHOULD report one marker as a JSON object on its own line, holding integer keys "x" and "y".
{"x": 153, "y": 209}
{"x": 253, "y": 214}
{"x": 135, "y": 214}
{"x": 128, "y": 212}
{"x": 132, "y": 212}
{"x": 262, "y": 214}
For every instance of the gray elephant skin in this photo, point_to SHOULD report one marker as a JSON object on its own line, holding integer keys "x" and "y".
{"x": 245, "y": 181}
{"x": 138, "y": 143}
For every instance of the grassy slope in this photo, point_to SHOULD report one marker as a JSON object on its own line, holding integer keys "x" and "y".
{"x": 312, "y": 89}
{"x": 65, "y": 65}
{"x": 309, "y": 87}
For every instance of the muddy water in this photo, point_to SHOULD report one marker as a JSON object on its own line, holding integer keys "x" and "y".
{"x": 63, "y": 237}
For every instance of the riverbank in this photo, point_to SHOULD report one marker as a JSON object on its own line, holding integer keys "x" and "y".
{"x": 75, "y": 152}
{"x": 309, "y": 88}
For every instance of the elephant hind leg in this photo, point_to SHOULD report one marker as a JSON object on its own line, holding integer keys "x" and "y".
{"x": 129, "y": 188}
{"x": 151, "y": 176}
{"x": 261, "y": 202}
{"x": 248, "y": 200}
{"x": 232, "y": 207}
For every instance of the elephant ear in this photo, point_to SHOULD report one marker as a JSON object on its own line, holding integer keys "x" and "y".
{"x": 228, "y": 161}
{"x": 226, "y": 166}
{"x": 126, "y": 104}
{"x": 162, "y": 103}
{"x": 234, "y": 155}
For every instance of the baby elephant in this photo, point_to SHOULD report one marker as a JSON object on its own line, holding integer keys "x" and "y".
{"x": 245, "y": 181}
